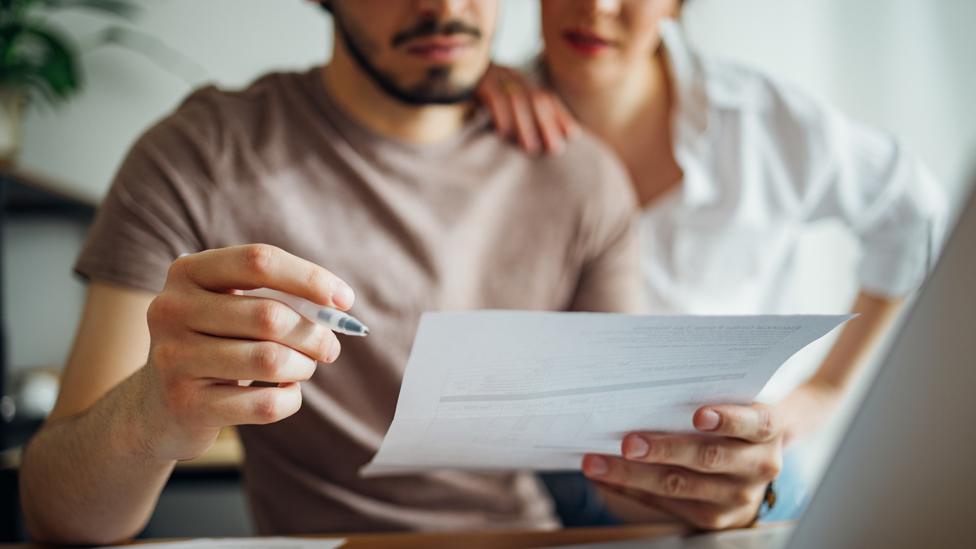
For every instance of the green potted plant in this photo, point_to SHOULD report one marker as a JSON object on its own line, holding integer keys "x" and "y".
{"x": 38, "y": 61}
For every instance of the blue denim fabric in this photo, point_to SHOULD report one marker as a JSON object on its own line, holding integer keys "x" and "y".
{"x": 578, "y": 503}
{"x": 792, "y": 491}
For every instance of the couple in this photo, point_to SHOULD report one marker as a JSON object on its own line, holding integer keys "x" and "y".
{"x": 376, "y": 184}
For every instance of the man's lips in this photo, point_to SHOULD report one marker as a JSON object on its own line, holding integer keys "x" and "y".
{"x": 587, "y": 43}
{"x": 438, "y": 49}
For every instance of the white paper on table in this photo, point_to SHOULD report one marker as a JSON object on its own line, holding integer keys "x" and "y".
{"x": 502, "y": 390}
{"x": 249, "y": 543}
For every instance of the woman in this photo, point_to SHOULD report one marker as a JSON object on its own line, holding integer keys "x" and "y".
{"x": 728, "y": 167}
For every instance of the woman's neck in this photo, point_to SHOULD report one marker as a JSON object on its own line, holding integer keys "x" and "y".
{"x": 610, "y": 109}
{"x": 632, "y": 116}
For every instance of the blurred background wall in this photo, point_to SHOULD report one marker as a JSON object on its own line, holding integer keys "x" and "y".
{"x": 906, "y": 66}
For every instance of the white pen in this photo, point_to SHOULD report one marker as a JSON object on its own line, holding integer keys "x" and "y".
{"x": 335, "y": 319}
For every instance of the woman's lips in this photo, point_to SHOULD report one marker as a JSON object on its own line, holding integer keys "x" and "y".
{"x": 438, "y": 49}
{"x": 587, "y": 43}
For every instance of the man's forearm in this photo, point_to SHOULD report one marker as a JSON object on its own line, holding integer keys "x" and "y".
{"x": 91, "y": 478}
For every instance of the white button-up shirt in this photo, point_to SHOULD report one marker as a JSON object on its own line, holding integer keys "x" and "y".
{"x": 763, "y": 162}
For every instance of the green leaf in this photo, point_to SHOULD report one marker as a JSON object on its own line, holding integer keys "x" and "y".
{"x": 58, "y": 66}
{"x": 40, "y": 59}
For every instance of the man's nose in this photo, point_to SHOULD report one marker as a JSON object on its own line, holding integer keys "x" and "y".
{"x": 441, "y": 9}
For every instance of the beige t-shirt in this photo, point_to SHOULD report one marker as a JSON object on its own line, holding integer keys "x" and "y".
{"x": 468, "y": 223}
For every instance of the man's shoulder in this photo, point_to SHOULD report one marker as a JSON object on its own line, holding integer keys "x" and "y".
{"x": 589, "y": 169}
{"x": 221, "y": 105}
{"x": 213, "y": 123}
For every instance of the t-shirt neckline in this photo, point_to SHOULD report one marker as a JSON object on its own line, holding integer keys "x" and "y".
{"x": 355, "y": 129}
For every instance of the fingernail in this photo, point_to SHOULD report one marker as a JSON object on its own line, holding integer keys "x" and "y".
{"x": 343, "y": 296}
{"x": 708, "y": 420}
{"x": 636, "y": 448}
{"x": 596, "y": 466}
{"x": 334, "y": 352}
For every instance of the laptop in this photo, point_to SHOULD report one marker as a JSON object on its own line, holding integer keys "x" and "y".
{"x": 904, "y": 476}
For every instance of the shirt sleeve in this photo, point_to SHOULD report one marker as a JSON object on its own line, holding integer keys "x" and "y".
{"x": 893, "y": 205}
{"x": 610, "y": 277}
{"x": 157, "y": 205}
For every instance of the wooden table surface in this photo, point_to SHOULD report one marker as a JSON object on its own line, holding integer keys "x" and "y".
{"x": 479, "y": 540}
{"x": 508, "y": 540}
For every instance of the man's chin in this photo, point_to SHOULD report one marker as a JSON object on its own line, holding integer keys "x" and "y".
{"x": 435, "y": 90}
{"x": 421, "y": 99}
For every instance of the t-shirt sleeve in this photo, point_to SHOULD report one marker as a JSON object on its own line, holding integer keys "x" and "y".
{"x": 158, "y": 203}
{"x": 610, "y": 277}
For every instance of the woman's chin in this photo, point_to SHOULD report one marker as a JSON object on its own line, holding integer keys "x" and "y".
{"x": 588, "y": 75}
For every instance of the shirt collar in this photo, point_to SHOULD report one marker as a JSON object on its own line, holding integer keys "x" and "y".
{"x": 688, "y": 76}
{"x": 693, "y": 112}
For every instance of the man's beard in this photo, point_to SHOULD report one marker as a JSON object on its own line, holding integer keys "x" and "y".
{"x": 435, "y": 89}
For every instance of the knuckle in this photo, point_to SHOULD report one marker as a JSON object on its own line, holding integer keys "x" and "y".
{"x": 259, "y": 258}
{"x": 177, "y": 269}
{"x": 711, "y": 456}
{"x": 742, "y": 496}
{"x": 707, "y": 519}
{"x": 268, "y": 318}
{"x": 662, "y": 449}
{"x": 164, "y": 355}
{"x": 266, "y": 359}
{"x": 266, "y": 408}
{"x": 717, "y": 520}
{"x": 767, "y": 428}
{"x": 161, "y": 310}
{"x": 675, "y": 484}
{"x": 769, "y": 469}
{"x": 317, "y": 280}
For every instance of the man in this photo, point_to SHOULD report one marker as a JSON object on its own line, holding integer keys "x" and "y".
{"x": 377, "y": 167}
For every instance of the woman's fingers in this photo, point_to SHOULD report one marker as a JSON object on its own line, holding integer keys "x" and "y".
{"x": 531, "y": 115}
{"x": 548, "y": 123}
{"x": 525, "y": 126}
{"x": 671, "y": 482}
{"x": 491, "y": 94}
{"x": 705, "y": 454}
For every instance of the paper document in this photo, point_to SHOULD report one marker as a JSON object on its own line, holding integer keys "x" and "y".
{"x": 493, "y": 390}
{"x": 250, "y": 543}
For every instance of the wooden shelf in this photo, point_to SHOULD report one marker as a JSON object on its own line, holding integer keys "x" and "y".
{"x": 26, "y": 193}
{"x": 226, "y": 453}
